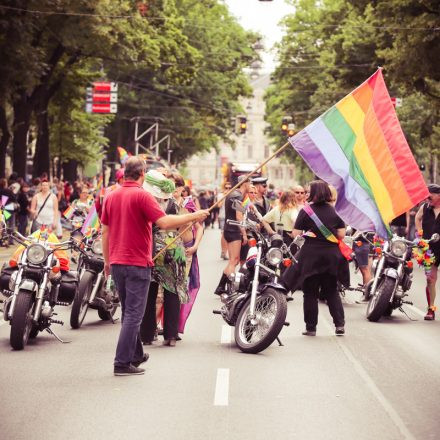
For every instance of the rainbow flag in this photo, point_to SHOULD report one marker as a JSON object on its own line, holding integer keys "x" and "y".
{"x": 246, "y": 202}
{"x": 358, "y": 146}
{"x": 91, "y": 222}
{"x": 68, "y": 213}
{"x": 123, "y": 155}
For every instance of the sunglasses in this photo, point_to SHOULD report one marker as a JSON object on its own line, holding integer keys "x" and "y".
{"x": 263, "y": 185}
{"x": 299, "y": 192}
{"x": 228, "y": 187}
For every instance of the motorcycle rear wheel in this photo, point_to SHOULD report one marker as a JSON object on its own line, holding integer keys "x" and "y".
{"x": 380, "y": 301}
{"x": 271, "y": 312}
{"x": 80, "y": 302}
{"x": 21, "y": 323}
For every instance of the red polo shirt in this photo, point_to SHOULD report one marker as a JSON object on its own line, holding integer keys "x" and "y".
{"x": 129, "y": 212}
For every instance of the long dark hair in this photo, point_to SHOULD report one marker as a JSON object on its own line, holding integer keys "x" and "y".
{"x": 320, "y": 192}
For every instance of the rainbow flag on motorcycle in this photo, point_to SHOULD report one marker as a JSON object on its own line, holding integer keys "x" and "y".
{"x": 68, "y": 213}
{"x": 358, "y": 146}
{"x": 91, "y": 222}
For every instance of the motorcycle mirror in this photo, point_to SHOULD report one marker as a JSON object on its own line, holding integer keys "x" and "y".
{"x": 237, "y": 206}
{"x": 349, "y": 231}
{"x": 435, "y": 237}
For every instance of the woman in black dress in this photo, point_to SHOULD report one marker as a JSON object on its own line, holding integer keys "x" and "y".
{"x": 320, "y": 262}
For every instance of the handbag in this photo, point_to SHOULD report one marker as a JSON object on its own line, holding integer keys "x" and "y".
{"x": 34, "y": 221}
{"x": 346, "y": 250}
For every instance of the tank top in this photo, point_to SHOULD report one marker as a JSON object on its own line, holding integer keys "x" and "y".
{"x": 46, "y": 215}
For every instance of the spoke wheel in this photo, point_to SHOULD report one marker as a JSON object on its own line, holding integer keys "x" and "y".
{"x": 255, "y": 335}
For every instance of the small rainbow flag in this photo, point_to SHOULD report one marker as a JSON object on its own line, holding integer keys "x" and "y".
{"x": 91, "y": 221}
{"x": 358, "y": 146}
{"x": 68, "y": 213}
{"x": 123, "y": 155}
{"x": 246, "y": 202}
{"x": 99, "y": 183}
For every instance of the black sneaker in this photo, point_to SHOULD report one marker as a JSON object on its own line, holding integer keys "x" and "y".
{"x": 339, "y": 331}
{"x": 144, "y": 359}
{"x": 129, "y": 370}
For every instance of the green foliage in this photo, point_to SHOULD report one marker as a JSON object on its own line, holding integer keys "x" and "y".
{"x": 180, "y": 63}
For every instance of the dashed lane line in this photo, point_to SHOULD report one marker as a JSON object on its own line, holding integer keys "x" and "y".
{"x": 386, "y": 405}
{"x": 221, "y": 397}
{"x": 226, "y": 336}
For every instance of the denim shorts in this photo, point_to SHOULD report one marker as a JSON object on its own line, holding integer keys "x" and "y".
{"x": 362, "y": 253}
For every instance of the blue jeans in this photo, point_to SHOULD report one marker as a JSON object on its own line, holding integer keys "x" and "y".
{"x": 132, "y": 283}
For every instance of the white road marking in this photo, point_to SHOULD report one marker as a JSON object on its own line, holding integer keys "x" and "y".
{"x": 226, "y": 334}
{"x": 392, "y": 413}
{"x": 221, "y": 397}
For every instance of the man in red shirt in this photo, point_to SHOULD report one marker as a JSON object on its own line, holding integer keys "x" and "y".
{"x": 127, "y": 216}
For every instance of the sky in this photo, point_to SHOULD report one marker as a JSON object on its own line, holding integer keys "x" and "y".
{"x": 262, "y": 16}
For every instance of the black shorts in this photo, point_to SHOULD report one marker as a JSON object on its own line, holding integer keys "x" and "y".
{"x": 231, "y": 236}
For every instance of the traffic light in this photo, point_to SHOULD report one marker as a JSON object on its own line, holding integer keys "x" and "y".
{"x": 285, "y": 124}
{"x": 291, "y": 130}
{"x": 241, "y": 124}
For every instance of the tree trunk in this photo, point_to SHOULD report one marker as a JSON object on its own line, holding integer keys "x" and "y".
{"x": 4, "y": 141}
{"x": 70, "y": 170}
{"x": 41, "y": 157}
{"x": 22, "y": 117}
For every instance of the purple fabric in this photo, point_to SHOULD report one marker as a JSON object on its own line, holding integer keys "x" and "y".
{"x": 193, "y": 289}
{"x": 352, "y": 214}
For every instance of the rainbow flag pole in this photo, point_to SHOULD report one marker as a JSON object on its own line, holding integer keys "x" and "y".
{"x": 358, "y": 146}
{"x": 91, "y": 222}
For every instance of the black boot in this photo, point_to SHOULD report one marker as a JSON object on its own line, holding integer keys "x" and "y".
{"x": 221, "y": 288}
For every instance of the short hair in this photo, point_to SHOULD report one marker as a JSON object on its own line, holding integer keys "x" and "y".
{"x": 178, "y": 179}
{"x": 319, "y": 192}
{"x": 134, "y": 167}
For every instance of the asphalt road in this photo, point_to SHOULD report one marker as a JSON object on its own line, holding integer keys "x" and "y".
{"x": 379, "y": 381}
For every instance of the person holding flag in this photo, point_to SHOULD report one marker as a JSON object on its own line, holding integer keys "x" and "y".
{"x": 427, "y": 223}
{"x": 234, "y": 236}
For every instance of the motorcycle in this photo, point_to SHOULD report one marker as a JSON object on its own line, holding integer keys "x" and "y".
{"x": 255, "y": 303}
{"x": 393, "y": 273}
{"x": 34, "y": 284}
{"x": 92, "y": 291}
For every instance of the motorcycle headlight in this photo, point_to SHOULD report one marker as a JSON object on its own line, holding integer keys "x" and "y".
{"x": 36, "y": 254}
{"x": 398, "y": 248}
{"x": 97, "y": 247}
{"x": 274, "y": 256}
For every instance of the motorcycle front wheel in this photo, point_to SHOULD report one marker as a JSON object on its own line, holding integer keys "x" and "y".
{"x": 80, "y": 302}
{"x": 21, "y": 323}
{"x": 106, "y": 315}
{"x": 380, "y": 301}
{"x": 270, "y": 315}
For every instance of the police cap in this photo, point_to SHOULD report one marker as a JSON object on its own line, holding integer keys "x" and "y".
{"x": 257, "y": 180}
{"x": 433, "y": 188}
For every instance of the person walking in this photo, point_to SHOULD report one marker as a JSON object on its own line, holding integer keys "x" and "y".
{"x": 127, "y": 216}
{"x": 428, "y": 222}
{"x": 319, "y": 261}
{"x": 44, "y": 208}
{"x": 235, "y": 237}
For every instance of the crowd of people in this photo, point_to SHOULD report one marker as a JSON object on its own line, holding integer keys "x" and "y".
{"x": 320, "y": 262}
{"x": 42, "y": 202}
{"x": 155, "y": 214}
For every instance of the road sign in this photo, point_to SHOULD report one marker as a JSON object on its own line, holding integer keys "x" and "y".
{"x": 102, "y": 97}
{"x": 105, "y": 86}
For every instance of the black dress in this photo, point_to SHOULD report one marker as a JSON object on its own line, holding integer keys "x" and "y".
{"x": 317, "y": 255}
